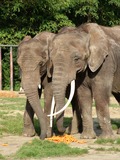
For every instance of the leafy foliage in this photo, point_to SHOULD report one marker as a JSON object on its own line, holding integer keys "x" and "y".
{"x": 28, "y": 17}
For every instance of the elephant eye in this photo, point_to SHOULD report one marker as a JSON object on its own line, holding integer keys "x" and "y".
{"x": 41, "y": 63}
{"x": 76, "y": 58}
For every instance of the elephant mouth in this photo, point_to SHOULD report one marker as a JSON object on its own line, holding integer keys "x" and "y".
{"x": 72, "y": 91}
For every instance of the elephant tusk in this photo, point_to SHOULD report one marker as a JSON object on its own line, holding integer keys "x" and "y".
{"x": 39, "y": 86}
{"x": 69, "y": 100}
{"x": 51, "y": 112}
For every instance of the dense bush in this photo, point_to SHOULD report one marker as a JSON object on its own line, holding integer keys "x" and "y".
{"x": 28, "y": 17}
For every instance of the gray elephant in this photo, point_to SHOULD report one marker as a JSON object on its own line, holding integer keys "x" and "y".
{"x": 76, "y": 123}
{"x": 32, "y": 52}
{"x": 90, "y": 55}
{"x": 32, "y": 59}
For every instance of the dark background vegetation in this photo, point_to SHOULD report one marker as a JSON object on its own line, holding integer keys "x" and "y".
{"x": 29, "y": 17}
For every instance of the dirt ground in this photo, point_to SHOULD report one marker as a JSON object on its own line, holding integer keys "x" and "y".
{"x": 15, "y": 142}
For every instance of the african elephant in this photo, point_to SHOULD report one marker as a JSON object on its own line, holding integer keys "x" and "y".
{"x": 32, "y": 59}
{"x": 90, "y": 55}
{"x": 76, "y": 123}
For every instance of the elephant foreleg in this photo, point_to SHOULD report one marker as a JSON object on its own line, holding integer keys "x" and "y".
{"x": 28, "y": 129}
{"x": 47, "y": 107}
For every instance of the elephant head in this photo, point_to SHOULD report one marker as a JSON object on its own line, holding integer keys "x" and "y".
{"x": 32, "y": 59}
{"x": 72, "y": 52}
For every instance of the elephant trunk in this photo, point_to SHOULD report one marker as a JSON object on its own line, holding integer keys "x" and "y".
{"x": 59, "y": 85}
{"x": 31, "y": 91}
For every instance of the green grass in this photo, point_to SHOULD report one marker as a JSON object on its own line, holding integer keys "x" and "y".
{"x": 108, "y": 149}
{"x": 8, "y": 106}
{"x": 2, "y": 157}
{"x": 106, "y": 141}
{"x": 40, "y": 149}
{"x": 12, "y": 103}
{"x": 11, "y": 124}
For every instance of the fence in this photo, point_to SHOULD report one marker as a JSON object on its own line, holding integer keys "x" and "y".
{"x": 11, "y": 65}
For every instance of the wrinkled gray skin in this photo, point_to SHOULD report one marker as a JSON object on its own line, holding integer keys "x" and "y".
{"x": 32, "y": 59}
{"x": 89, "y": 54}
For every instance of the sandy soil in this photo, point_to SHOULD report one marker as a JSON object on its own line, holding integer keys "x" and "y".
{"x": 15, "y": 142}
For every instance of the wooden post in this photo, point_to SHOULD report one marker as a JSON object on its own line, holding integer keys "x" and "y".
{"x": 11, "y": 69}
{"x": 11, "y": 65}
{"x": 0, "y": 68}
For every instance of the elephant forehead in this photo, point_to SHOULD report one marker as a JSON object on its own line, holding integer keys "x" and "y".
{"x": 62, "y": 38}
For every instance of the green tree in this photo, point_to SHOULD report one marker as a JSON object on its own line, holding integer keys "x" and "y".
{"x": 28, "y": 17}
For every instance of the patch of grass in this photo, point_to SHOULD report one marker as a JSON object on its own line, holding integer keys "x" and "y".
{"x": 15, "y": 103}
{"x": 2, "y": 113}
{"x": 100, "y": 149}
{"x": 2, "y": 157}
{"x": 12, "y": 103}
{"x": 106, "y": 141}
{"x": 40, "y": 149}
{"x": 113, "y": 149}
{"x": 11, "y": 124}
{"x": 108, "y": 149}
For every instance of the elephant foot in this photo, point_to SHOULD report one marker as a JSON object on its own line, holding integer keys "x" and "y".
{"x": 88, "y": 135}
{"x": 61, "y": 130}
{"x": 106, "y": 135}
{"x": 118, "y": 131}
{"x": 72, "y": 130}
{"x": 43, "y": 136}
{"x": 49, "y": 132}
{"x": 29, "y": 132}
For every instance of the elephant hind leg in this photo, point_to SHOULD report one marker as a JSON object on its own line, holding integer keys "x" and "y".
{"x": 102, "y": 108}
{"x": 117, "y": 97}
{"x": 85, "y": 103}
{"x": 75, "y": 125}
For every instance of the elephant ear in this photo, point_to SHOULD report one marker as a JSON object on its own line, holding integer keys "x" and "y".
{"x": 45, "y": 38}
{"x": 98, "y": 47}
{"x": 25, "y": 39}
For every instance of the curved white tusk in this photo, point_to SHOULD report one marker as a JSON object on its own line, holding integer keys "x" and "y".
{"x": 69, "y": 100}
{"x": 39, "y": 86}
{"x": 51, "y": 112}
